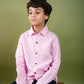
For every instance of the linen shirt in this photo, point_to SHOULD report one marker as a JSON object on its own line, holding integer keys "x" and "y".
{"x": 37, "y": 57}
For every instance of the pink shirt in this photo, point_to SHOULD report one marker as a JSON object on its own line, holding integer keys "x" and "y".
{"x": 37, "y": 57}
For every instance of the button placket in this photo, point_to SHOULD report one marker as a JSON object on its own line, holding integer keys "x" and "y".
{"x": 36, "y": 46}
{"x": 36, "y": 53}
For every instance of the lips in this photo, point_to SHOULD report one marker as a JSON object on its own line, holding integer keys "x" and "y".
{"x": 33, "y": 19}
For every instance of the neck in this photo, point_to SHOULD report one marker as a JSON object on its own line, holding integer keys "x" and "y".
{"x": 37, "y": 29}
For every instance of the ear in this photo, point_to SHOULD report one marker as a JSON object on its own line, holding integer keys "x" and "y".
{"x": 46, "y": 17}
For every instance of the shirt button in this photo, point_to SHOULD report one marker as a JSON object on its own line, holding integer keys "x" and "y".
{"x": 36, "y": 53}
{"x": 36, "y": 42}
{"x": 34, "y": 72}
{"x": 35, "y": 63}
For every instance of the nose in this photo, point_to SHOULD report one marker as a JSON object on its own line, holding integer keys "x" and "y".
{"x": 33, "y": 15}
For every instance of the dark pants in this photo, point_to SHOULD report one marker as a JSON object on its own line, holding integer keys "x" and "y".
{"x": 34, "y": 82}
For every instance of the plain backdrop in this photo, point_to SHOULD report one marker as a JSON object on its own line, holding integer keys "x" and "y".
{"x": 67, "y": 21}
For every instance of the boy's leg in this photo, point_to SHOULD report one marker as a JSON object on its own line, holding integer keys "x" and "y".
{"x": 34, "y": 82}
{"x": 52, "y": 82}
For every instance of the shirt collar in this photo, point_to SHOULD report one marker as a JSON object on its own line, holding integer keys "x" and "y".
{"x": 43, "y": 32}
{"x": 31, "y": 31}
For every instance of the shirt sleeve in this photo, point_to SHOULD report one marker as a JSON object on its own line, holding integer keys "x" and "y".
{"x": 53, "y": 70}
{"x": 20, "y": 64}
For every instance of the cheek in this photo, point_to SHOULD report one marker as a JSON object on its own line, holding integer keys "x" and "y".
{"x": 41, "y": 18}
{"x": 29, "y": 18}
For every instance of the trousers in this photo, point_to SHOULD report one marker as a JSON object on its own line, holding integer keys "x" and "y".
{"x": 35, "y": 81}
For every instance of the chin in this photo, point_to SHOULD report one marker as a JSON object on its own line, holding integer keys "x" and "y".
{"x": 34, "y": 24}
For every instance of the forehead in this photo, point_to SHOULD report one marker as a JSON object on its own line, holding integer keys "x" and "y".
{"x": 35, "y": 9}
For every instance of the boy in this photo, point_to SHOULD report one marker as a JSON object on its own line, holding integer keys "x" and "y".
{"x": 38, "y": 51}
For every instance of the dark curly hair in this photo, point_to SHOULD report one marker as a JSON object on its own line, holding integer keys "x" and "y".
{"x": 40, "y": 3}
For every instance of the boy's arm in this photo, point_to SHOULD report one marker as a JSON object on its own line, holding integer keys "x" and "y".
{"x": 52, "y": 72}
{"x": 20, "y": 64}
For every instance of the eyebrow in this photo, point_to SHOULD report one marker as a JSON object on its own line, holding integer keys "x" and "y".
{"x": 36, "y": 9}
{"x": 39, "y": 9}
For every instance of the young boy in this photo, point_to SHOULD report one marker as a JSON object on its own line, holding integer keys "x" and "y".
{"x": 38, "y": 51}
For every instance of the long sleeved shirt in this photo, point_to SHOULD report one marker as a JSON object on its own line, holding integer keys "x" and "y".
{"x": 37, "y": 57}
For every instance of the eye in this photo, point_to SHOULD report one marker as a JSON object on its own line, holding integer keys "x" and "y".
{"x": 30, "y": 13}
{"x": 37, "y": 12}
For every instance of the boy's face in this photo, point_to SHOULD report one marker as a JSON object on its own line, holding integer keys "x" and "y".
{"x": 37, "y": 16}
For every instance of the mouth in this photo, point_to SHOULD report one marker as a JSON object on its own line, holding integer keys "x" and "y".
{"x": 33, "y": 19}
